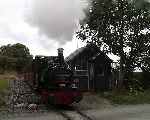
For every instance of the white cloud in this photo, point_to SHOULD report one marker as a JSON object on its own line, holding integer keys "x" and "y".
{"x": 57, "y": 19}
{"x": 14, "y": 28}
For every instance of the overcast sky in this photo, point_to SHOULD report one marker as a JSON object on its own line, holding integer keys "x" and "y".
{"x": 42, "y": 25}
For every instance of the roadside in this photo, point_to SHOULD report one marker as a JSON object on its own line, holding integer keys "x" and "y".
{"x": 51, "y": 115}
{"x": 124, "y": 97}
{"x": 4, "y": 87}
{"x": 93, "y": 101}
{"x": 122, "y": 112}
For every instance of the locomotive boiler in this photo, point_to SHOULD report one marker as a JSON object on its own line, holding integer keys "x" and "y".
{"x": 53, "y": 79}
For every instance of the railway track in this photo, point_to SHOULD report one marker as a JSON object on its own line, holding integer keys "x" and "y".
{"x": 74, "y": 114}
{"x": 84, "y": 115}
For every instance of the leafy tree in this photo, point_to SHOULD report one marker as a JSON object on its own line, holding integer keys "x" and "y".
{"x": 119, "y": 27}
{"x": 141, "y": 4}
{"x": 14, "y": 56}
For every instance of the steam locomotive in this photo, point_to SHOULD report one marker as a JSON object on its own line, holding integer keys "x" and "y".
{"x": 52, "y": 79}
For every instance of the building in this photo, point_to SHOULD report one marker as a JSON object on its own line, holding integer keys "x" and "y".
{"x": 91, "y": 67}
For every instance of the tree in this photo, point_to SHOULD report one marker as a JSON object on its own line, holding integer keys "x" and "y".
{"x": 119, "y": 27}
{"x": 15, "y": 56}
{"x": 141, "y": 4}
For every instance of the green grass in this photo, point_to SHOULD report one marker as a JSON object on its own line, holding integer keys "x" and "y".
{"x": 3, "y": 87}
{"x": 125, "y": 98}
{"x": 4, "y": 79}
{"x": 3, "y": 84}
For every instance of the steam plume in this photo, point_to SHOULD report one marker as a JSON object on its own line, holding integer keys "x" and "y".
{"x": 57, "y": 19}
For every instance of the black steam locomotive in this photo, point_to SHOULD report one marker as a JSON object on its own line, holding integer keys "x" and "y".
{"x": 53, "y": 80}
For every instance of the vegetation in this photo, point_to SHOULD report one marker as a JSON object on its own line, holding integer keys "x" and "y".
{"x": 3, "y": 84}
{"x": 3, "y": 93}
{"x": 14, "y": 57}
{"x": 119, "y": 27}
{"x": 124, "y": 97}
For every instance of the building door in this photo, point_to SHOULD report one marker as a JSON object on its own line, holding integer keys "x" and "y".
{"x": 90, "y": 76}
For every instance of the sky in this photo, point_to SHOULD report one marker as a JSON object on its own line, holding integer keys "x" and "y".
{"x": 41, "y": 25}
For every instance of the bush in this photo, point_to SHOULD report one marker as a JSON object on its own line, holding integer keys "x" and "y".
{"x": 146, "y": 80}
{"x": 135, "y": 87}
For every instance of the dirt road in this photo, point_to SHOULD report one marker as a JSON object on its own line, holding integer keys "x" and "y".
{"x": 128, "y": 112}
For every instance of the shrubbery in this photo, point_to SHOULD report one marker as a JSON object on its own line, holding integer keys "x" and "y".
{"x": 14, "y": 57}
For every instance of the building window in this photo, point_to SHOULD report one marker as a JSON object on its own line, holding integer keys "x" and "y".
{"x": 81, "y": 67}
{"x": 78, "y": 67}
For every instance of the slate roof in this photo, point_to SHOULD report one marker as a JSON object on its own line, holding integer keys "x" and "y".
{"x": 80, "y": 50}
{"x": 74, "y": 54}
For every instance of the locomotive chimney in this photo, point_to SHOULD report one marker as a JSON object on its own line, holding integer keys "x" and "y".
{"x": 60, "y": 55}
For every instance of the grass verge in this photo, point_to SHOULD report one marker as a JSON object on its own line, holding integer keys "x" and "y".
{"x": 124, "y": 98}
{"x": 3, "y": 93}
{"x": 4, "y": 85}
